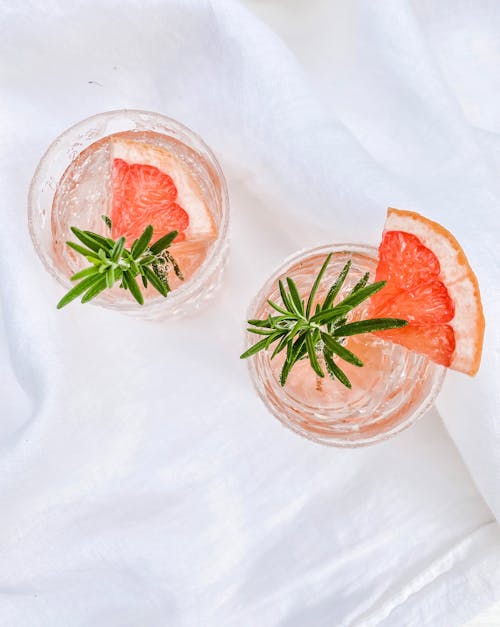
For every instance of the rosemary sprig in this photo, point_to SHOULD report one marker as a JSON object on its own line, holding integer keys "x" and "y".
{"x": 111, "y": 263}
{"x": 318, "y": 336}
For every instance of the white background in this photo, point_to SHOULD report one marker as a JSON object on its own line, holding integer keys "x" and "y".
{"x": 141, "y": 480}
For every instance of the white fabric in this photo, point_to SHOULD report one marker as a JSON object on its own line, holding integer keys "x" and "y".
{"x": 141, "y": 480}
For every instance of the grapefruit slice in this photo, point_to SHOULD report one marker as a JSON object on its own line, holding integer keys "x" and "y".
{"x": 431, "y": 284}
{"x": 152, "y": 186}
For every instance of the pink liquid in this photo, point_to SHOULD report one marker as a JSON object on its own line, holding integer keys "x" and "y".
{"x": 84, "y": 194}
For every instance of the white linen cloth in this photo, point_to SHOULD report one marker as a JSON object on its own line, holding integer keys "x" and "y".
{"x": 142, "y": 482}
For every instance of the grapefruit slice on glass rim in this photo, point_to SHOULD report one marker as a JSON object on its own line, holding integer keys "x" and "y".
{"x": 431, "y": 284}
{"x": 152, "y": 186}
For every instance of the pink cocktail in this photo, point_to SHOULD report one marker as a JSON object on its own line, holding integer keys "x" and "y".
{"x": 390, "y": 392}
{"x": 137, "y": 168}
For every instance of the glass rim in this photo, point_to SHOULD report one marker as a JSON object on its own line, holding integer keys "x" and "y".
{"x": 296, "y": 406}
{"x": 184, "y": 291}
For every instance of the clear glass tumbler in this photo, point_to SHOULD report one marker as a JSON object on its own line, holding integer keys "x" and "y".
{"x": 389, "y": 393}
{"x": 50, "y": 218}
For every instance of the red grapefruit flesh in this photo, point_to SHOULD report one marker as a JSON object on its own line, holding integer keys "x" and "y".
{"x": 431, "y": 284}
{"x": 143, "y": 195}
{"x": 152, "y": 186}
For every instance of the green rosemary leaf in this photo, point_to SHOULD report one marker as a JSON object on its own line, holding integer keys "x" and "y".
{"x": 90, "y": 254}
{"x": 287, "y": 364}
{"x": 368, "y": 326}
{"x": 260, "y": 331}
{"x": 299, "y": 347}
{"x": 294, "y": 352}
{"x": 297, "y": 303}
{"x": 132, "y": 285}
{"x": 78, "y": 289}
{"x": 282, "y": 323}
{"x": 155, "y": 281}
{"x": 141, "y": 244}
{"x": 316, "y": 336}
{"x": 353, "y": 300}
{"x": 313, "y": 358}
{"x": 338, "y": 322}
{"x": 280, "y": 346}
{"x": 336, "y": 287}
{"x": 284, "y": 296}
{"x": 278, "y": 308}
{"x": 264, "y": 343}
{"x": 337, "y": 348}
{"x": 299, "y": 325}
{"x": 88, "y": 241}
{"x": 316, "y": 284}
{"x": 334, "y": 371}
{"x": 110, "y": 277}
{"x": 302, "y": 352}
{"x": 260, "y": 323}
{"x": 83, "y": 273}
{"x": 117, "y": 249}
{"x": 144, "y": 279}
{"x": 94, "y": 290}
{"x": 134, "y": 268}
{"x": 274, "y": 337}
{"x": 361, "y": 283}
{"x": 104, "y": 242}
{"x": 255, "y": 348}
{"x": 163, "y": 243}
{"x": 331, "y": 314}
{"x": 107, "y": 222}
{"x": 146, "y": 260}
